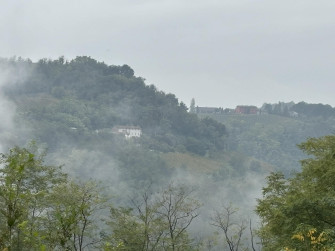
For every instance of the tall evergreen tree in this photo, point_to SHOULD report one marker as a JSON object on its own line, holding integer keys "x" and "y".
{"x": 192, "y": 106}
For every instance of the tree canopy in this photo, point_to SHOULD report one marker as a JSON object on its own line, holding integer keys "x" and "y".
{"x": 41, "y": 209}
{"x": 298, "y": 213}
{"x": 73, "y": 99}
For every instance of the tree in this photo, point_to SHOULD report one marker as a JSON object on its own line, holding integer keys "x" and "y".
{"x": 72, "y": 216}
{"x": 192, "y": 106}
{"x": 178, "y": 209}
{"x": 154, "y": 222}
{"x": 40, "y": 208}
{"x": 25, "y": 182}
{"x": 232, "y": 230}
{"x": 138, "y": 227}
{"x": 127, "y": 231}
{"x": 296, "y": 206}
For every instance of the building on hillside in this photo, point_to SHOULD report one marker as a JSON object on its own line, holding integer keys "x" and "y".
{"x": 208, "y": 110}
{"x": 246, "y": 109}
{"x": 128, "y": 131}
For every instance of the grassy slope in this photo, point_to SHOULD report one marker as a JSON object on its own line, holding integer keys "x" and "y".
{"x": 223, "y": 164}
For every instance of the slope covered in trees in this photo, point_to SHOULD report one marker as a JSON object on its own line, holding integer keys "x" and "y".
{"x": 272, "y": 138}
{"x": 72, "y": 106}
{"x": 42, "y": 209}
{"x": 70, "y": 101}
{"x": 301, "y": 109}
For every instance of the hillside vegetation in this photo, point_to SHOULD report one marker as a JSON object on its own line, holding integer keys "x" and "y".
{"x": 107, "y": 192}
{"x": 71, "y": 107}
{"x": 69, "y": 101}
{"x": 273, "y": 137}
{"x": 76, "y": 104}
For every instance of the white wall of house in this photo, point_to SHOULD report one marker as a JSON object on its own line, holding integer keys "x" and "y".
{"x": 130, "y": 132}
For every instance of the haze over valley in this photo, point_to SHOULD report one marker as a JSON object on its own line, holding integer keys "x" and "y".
{"x": 167, "y": 125}
{"x": 104, "y": 124}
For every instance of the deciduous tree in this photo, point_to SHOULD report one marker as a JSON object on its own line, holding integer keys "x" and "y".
{"x": 293, "y": 207}
{"x": 25, "y": 183}
{"x": 154, "y": 222}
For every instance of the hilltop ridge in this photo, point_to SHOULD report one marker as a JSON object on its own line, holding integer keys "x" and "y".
{"x": 70, "y": 100}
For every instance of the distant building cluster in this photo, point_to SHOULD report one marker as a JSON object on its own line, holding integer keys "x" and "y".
{"x": 240, "y": 109}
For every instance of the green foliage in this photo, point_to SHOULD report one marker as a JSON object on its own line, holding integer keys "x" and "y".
{"x": 301, "y": 109}
{"x": 40, "y": 208}
{"x": 154, "y": 222}
{"x": 140, "y": 165}
{"x": 74, "y": 99}
{"x": 291, "y": 207}
{"x": 314, "y": 110}
{"x": 271, "y": 138}
{"x": 127, "y": 229}
{"x": 72, "y": 215}
{"x": 24, "y": 186}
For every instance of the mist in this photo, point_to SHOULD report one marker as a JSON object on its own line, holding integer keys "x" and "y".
{"x": 12, "y": 132}
{"x": 71, "y": 107}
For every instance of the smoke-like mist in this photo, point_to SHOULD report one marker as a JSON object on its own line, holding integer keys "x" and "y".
{"x": 13, "y": 131}
{"x": 239, "y": 192}
{"x": 214, "y": 195}
{"x": 86, "y": 164}
{"x": 82, "y": 163}
{"x": 7, "y": 111}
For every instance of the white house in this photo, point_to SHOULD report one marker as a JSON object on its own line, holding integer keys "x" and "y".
{"x": 128, "y": 131}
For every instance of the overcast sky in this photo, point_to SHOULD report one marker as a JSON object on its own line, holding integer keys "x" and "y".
{"x": 221, "y": 52}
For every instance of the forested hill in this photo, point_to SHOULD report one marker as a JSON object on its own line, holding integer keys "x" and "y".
{"x": 68, "y": 101}
{"x": 72, "y": 106}
{"x": 273, "y": 134}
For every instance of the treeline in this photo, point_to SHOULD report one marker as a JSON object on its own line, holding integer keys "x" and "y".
{"x": 43, "y": 209}
{"x": 272, "y": 138}
{"x": 65, "y": 100}
{"x": 301, "y": 109}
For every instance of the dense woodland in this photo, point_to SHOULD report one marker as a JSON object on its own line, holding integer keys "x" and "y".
{"x": 273, "y": 135}
{"x": 58, "y": 96}
{"x": 78, "y": 186}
